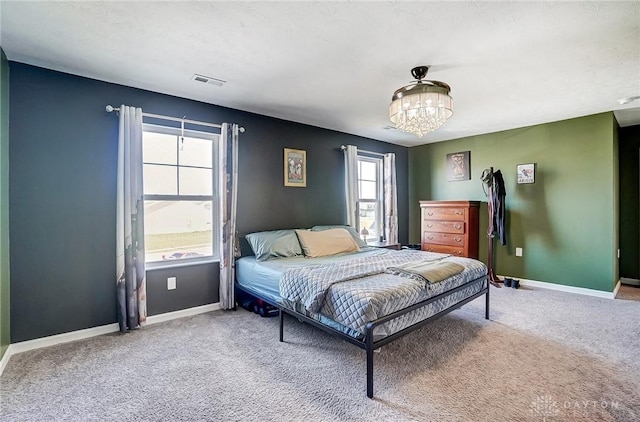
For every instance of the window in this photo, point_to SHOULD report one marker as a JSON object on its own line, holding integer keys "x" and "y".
{"x": 371, "y": 199}
{"x": 179, "y": 172}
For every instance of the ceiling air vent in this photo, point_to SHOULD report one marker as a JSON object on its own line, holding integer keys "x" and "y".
{"x": 388, "y": 127}
{"x": 208, "y": 80}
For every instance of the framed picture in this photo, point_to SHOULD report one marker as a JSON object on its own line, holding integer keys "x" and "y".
{"x": 295, "y": 168}
{"x": 459, "y": 166}
{"x": 526, "y": 173}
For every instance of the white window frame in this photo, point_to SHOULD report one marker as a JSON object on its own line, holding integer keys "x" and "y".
{"x": 379, "y": 201}
{"x": 214, "y": 197}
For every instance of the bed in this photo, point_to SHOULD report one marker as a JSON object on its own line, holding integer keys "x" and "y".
{"x": 326, "y": 276}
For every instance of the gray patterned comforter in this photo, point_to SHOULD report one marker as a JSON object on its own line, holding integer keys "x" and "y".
{"x": 363, "y": 289}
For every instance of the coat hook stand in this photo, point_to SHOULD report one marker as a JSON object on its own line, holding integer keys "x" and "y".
{"x": 491, "y": 274}
{"x": 488, "y": 180}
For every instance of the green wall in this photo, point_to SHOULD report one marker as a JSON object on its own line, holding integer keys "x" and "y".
{"x": 4, "y": 204}
{"x": 566, "y": 222}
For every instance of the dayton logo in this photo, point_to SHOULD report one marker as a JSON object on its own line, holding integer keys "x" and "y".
{"x": 545, "y": 407}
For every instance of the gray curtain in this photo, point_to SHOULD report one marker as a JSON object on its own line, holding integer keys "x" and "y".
{"x": 130, "y": 271}
{"x": 351, "y": 184}
{"x": 390, "y": 199}
{"x": 228, "y": 179}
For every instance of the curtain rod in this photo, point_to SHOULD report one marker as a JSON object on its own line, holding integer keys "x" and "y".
{"x": 344, "y": 148}
{"x": 110, "y": 109}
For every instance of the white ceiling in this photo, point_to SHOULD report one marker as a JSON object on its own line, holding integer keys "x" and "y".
{"x": 336, "y": 64}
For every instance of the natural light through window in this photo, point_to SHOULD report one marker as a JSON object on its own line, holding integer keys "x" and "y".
{"x": 370, "y": 197}
{"x": 179, "y": 180}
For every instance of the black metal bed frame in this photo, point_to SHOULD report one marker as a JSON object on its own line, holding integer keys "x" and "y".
{"x": 368, "y": 343}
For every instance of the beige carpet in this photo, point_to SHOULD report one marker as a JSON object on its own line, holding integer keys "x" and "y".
{"x": 545, "y": 355}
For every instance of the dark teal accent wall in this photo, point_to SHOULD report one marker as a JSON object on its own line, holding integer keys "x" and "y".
{"x": 566, "y": 222}
{"x": 616, "y": 201}
{"x": 629, "y": 153}
{"x": 4, "y": 205}
{"x": 63, "y": 196}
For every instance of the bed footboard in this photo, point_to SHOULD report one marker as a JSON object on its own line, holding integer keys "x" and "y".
{"x": 368, "y": 343}
{"x": 371, "y": 345}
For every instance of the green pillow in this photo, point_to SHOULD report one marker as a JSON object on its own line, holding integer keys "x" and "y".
{"x": 274, "y": 244}
{"x": 353, "y": 232}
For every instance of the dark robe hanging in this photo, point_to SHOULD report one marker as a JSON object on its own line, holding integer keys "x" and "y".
{"x": 499, "y": 200}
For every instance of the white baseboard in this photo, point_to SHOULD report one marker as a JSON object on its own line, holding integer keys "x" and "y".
{"x": 154, "y": 319}
{"x": 569, "y": 289}
{"x": 24, "y": 346}
{"x": 630, "y": 281}
{"x": 615, "y": 291}
{"x": 5, "y": 359}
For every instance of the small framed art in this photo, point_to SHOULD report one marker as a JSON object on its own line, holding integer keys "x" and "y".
{"x": 459, "y": 166}
{"x": 295, "y": 168}
{"x": 526, "y": 173}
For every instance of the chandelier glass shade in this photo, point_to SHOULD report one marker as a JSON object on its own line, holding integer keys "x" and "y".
{"x": 421, "y": 107}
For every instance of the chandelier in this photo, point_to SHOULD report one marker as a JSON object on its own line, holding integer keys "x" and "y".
{"x": 421, "y": 107}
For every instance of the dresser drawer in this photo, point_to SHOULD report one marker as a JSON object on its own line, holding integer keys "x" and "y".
{"x": 444, "y": 249}
{"x": 443, "y": 226}
{"x": 456, "y": 214}
{"x": 443, "y": 238}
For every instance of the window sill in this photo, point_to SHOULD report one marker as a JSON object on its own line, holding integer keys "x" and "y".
{"x": 154, "y": 266}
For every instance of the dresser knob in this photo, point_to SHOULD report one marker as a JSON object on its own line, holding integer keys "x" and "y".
{"x": 429, "y": 225}
{"x": 458, "y": 240}
{"x": 457, "y": 227}
{"x": 457, "y": 213}
{"x": 429, "y": 213}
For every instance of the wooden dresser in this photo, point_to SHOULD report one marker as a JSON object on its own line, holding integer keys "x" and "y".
{"x": 450, "y": 227}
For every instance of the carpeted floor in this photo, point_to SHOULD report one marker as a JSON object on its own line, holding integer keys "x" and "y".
{"x": 544, "y": 355}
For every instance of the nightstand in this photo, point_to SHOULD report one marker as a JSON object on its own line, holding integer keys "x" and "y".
{"x": 385, "y": 245}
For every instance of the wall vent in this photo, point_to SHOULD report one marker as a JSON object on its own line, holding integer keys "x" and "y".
{"x": 208, "y": 80}
{"x": 390, "y": 128}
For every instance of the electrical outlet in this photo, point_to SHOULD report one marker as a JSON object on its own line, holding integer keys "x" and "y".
{"x": 518, "y": 251}
{"x": 171, "y": 283}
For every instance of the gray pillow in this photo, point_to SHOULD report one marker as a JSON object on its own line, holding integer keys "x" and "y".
{"x": 352, "y": 231}
{"x": 274, "y": 244}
